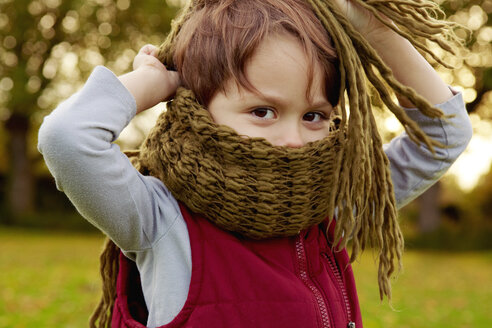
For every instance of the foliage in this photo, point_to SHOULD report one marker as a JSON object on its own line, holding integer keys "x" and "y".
{"x": 46, "y": 43}
{"x": 472, "y": 70}
{"x": 480, "y": 198}
{"x": 48, "y": 47}
{"x": 474, "y": 74}
{"x": 466, "y": 219}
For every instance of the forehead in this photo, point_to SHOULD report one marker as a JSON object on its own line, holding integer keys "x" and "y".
{"x": 278, "y": 70}
{"x": 218, "y": 40}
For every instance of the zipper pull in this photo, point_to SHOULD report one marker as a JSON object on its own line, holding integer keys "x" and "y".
{"x": 351, "y": 324}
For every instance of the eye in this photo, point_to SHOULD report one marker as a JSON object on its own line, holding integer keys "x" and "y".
{"x": 263, "y": 113}
{"x": 314, "y": 117}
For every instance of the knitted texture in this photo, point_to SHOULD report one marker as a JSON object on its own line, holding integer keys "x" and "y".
{"x": 360, "y": 181}
{"x": 244, "y": 185}
{"x": 249, "y": 187}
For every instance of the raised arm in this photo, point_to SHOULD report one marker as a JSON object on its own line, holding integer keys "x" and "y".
{"x": 408, "y": 66}
{"x": 414, "y": 168}
{"x": 76, "y": 141}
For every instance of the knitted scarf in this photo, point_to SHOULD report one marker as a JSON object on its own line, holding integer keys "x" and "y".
{"x": 243, "y": 185}
{"x": 248, "y": 186}
{"x": 254, "y": 189}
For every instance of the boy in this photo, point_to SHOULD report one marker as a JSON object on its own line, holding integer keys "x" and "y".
{"x": 282, "y": 89}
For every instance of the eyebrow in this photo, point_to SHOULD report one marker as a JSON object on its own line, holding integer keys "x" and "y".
{"x": 274, "y": 99}
{"x": 321, "y": 103}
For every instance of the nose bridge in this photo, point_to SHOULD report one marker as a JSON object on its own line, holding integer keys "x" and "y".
{"x": 290, "y": 134}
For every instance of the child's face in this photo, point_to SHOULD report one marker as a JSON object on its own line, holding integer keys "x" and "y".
{"x": 281, "y": 113}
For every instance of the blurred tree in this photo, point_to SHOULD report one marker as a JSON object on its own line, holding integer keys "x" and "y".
{"x": 47, "y": 48}
{"x": 481, "y": 198}
{"x": 473, "y": 74}
{"x": 429, "y": 209}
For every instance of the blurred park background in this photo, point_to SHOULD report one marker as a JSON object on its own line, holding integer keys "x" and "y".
{"x": 49, "y": 254}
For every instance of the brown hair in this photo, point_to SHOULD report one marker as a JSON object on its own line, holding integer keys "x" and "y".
{"x": 217, "y": 42}
{"x": 213, "y": 46}
{"x": 207, "y": 64}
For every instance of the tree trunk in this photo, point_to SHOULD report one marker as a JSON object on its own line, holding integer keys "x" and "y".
{"x": 20, "y": 184}
{"x": 429, "y": 209}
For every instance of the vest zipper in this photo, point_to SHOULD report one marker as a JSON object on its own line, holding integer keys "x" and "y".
{"x": 338, "y": 278}
{"x": 301, "y": 256}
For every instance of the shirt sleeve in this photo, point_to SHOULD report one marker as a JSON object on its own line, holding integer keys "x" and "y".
{"x": 414, "y": 168}
{"x": 76, "y": 140}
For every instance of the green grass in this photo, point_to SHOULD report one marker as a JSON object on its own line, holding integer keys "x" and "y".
{"x": 435, "y": 289}
{"x": 50, "y": 279}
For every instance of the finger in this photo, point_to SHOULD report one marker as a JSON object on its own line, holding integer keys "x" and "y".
{"x": 147, "y": 49}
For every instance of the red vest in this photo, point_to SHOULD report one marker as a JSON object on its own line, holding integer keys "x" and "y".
{"x": 236, "y": 282}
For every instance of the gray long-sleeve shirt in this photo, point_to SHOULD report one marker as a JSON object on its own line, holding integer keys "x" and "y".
{"x": 142, "y": 217}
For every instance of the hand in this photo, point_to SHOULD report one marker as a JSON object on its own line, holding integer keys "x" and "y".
{"x": 362, "y": 19}
{"x": 150, "y": 82}
{"x": 147, "y": 57}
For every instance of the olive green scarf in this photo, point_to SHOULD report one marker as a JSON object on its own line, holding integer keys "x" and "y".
{"x": 244, "y": 185}
{"x": 249, "y": 187}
